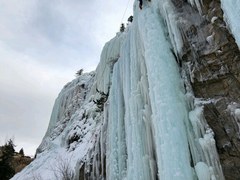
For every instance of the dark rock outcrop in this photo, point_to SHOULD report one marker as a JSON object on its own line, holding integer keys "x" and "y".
{"x": 211, "y": 57}
{"x": 19, "y": 162}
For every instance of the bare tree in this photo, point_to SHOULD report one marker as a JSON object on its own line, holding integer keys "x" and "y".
{"x": 36, "y": 176}
{"x": 62, "y": 169}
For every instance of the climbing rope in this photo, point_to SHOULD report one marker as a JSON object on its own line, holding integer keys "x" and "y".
{"x": 125, "y": 11}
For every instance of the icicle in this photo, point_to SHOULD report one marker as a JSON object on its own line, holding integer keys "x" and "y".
{"x": 202, "y": 171}
{"x": 198, "y": 4}
{"x": 171, "y": 19}
{"x": 207, "y": 154}
{"x": 200, "y": 136}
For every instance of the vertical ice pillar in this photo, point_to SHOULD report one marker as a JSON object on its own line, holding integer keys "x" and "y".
{"x": 141, "y": 164}
{"x": 116, "y": 146}
{"x": 169, "y": 110}
{"x": 130, "y": 144}
{"x": 148, "y": 126}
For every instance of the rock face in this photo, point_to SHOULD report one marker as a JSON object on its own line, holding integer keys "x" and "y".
{"x": 211, "y": 57}
{"x": 20, "y": 161}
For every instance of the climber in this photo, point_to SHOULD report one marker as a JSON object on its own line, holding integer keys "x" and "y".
{"x": 141, "y": 3}
{"x": 130, "y": 19}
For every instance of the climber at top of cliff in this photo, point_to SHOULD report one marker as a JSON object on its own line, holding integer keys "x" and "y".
{"x": 141, "y": 3}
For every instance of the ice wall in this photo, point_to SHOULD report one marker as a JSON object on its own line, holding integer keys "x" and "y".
{"x": 74, "y": 124}
{"x": 155, "y": 127}
{"x": 109, "y": 56}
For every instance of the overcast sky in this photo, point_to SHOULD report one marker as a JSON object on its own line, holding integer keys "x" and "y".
{"x": 42, "y": 44}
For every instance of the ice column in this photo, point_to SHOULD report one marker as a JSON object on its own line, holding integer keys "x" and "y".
{"x": 167, "y": 100}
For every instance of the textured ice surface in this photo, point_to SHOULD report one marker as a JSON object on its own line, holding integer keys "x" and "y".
{"x": 71, "y": 132}
{"x": 202, "y": 171}
{"x": 150, "y": 128}
{"x": 231, "y": 10}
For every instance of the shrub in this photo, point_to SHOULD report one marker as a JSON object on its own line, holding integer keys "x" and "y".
{"x": 62, "y": 169}
{"x": 79, "y": 72}
{"x": 21, "y": 152}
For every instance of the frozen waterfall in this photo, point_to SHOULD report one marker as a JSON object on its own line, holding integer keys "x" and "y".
{"x": 135, "y": 117}
{"x": 154, "y": 130}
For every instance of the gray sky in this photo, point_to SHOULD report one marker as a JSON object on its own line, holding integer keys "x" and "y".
{"x": 42, "y": 44}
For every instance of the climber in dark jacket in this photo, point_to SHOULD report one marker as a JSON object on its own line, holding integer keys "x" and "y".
{"x": 140, "y": 4}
